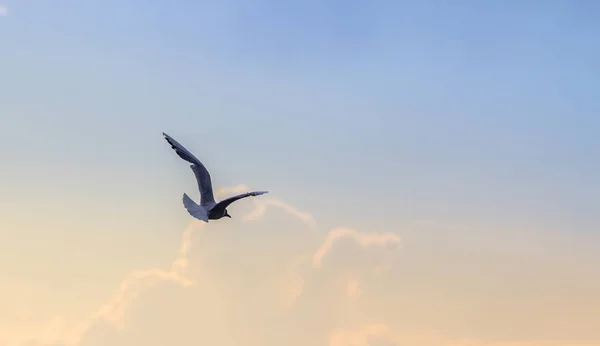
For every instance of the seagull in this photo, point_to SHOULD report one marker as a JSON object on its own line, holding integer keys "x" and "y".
{"x": 208, "y": 209}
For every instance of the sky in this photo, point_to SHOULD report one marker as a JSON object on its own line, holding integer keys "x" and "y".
{"x": 431, "y": 169}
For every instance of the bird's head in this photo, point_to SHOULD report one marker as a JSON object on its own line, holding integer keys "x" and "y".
{"x": 227, "y": 214}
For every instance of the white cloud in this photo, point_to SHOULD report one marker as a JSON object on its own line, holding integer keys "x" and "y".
{"x": 383, "y": 334}
{"x": 353, "y": 290}
{"x": 113, "y": 311}
{"x": 283, "y": 298}
{"x": 265, "y": 202}
{"x": 363, "y": 239}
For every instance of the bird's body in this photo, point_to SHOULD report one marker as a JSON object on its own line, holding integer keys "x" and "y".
{"x": 208, "y": 209}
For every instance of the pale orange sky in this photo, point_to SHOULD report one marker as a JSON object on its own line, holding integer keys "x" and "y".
{"x": 274, "y": 277}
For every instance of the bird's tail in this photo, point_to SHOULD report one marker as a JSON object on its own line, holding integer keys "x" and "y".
{"x": 197, "y": 211}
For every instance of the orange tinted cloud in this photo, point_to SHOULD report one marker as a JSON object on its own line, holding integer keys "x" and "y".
{"x": 313, "y": 306}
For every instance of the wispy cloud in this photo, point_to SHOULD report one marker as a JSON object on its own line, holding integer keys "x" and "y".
{"x": 114, "y": 309}
{"x": 303, "y": 294}
{"x": 265, "y": 202}
{"x": 367, "y": 335}
{"x": 262, "y": 206}
{"x": 353, "y": 290}
{"x": 3, "y": 11}
{"x": 363, "y": 239}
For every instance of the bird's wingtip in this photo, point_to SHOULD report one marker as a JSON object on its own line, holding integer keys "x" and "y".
{"x": 167, "y": 138}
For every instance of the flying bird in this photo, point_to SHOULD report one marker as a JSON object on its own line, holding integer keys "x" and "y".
{"x": 208, "y": 209}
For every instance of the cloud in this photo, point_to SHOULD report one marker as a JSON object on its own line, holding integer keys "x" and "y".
{"x": 358, "y": 337}
{"x": 381, "y": 334}
{"x": 3, "y": 11}
{"x": 353, "y": 290}
{"x": 263, "y": 203}
{"x": 138, "y": 281}
{"x": 113, "y": 311}
{"x": 362, "y": 239}
{"x": 251, "y": 292}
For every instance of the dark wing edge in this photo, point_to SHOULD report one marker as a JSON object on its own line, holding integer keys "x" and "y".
{"x": 200, "y": 171}
{"x": 227, "y": 201}
{"x": 181, "y": 150}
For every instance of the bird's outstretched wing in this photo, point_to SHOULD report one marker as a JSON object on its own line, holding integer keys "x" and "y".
{"x": 207, "y": 198}
{"x": 227, "y": 201}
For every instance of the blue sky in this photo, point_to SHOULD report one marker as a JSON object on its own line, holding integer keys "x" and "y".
{"x": 417, "y": 111}
{"x": 482, "y": 106}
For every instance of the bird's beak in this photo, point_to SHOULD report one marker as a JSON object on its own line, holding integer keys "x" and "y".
{"x": 229, "y": 216}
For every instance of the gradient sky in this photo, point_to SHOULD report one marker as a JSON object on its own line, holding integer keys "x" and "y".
{"x": 432, "y": 166}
